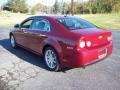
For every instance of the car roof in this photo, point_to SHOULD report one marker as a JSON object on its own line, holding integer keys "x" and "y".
{"x": 60, "y": 16}
{"x": 52, "y": 16}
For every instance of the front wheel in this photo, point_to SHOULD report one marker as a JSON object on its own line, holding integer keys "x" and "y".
{"x": 51, "y": 59}
{"x": 12, "y": 41}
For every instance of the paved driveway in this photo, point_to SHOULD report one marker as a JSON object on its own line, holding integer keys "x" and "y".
{"x": 22, "y": 70}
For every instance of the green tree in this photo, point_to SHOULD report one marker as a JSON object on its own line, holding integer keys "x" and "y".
{"x": 17, "y": 6}
{"x": 37, "y": 8}
{"x": 116, "y": 6}
{"x": 98, "y": 6}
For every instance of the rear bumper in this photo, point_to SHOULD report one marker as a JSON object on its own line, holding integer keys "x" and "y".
{"x": 89, "y": 56}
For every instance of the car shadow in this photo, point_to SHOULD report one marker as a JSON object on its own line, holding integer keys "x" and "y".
{"x": 23, "y": 54}
{"x": 26, "y": 55}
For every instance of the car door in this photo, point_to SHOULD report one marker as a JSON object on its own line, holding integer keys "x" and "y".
{"x": 36, "y": 34}
{"x": 20, "y": 34}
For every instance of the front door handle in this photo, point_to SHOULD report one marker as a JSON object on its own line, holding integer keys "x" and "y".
{"x": 23, "y": 30}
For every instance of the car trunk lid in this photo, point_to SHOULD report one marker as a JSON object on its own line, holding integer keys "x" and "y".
{"x": 96, "y": 36}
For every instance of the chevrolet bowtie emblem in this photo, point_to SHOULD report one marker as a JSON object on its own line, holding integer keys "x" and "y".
{"x": 100, "y": 37}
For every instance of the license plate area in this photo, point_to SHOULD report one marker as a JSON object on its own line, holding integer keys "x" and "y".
{"x": 102, "y": 53}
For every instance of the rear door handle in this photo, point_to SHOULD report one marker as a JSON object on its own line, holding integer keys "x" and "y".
{"x": 42, "y": 35}
{"x": 36, "y": 34}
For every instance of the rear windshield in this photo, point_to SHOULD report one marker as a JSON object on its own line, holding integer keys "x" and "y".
{"x": 75, "y": 23}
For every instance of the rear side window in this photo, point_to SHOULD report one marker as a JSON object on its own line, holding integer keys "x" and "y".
{"x": 75, "y": 23}
{"x": 41, "y": 24}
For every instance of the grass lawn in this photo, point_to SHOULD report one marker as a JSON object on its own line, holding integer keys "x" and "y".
{"x": 111, "y": 21}
{"x": 9, "y": 19}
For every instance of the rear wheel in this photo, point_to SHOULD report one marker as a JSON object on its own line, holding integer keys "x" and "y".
{"x": 12, "y": 41}
{"x": 51, "y": 59}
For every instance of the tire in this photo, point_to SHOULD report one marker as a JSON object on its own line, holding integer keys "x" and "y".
{"x": 13, "y": 41}
{"x": 51, "y": 59}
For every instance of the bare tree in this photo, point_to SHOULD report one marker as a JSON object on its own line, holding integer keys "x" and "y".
{"x": 72, "y": 7}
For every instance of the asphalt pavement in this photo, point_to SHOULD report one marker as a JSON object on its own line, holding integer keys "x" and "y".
{"x": 22, "y": 70}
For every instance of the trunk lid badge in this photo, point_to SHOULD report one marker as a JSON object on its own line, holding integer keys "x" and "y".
{"x": 99, "y": 37}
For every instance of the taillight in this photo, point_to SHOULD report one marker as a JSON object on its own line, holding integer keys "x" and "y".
{"x": 109, "y": 38}
{"x": 88, "y": 43}
{"x": 81, "y": 44}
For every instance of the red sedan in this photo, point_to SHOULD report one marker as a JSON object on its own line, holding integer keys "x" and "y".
{"x": 64, "y": 41}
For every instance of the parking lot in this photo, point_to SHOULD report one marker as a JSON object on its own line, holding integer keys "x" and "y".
{"x": 22, "y": 70}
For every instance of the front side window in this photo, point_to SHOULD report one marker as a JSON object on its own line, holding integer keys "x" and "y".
{"x": 75, "y": 23}
{"x": 27, "y": 24}
{"x": 42, "y": 25}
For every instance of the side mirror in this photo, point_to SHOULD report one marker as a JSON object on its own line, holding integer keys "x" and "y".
{"x": 16, "y": 26}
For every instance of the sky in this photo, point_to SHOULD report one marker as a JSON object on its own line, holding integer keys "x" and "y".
{"x": 44, "y": 2}
{"x": 2, "y": 2}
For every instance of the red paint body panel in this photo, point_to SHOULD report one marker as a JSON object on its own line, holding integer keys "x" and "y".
{"x": 86, "y": 56}
{"x": 65, "y": 42}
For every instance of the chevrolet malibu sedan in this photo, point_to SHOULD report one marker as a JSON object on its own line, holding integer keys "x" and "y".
{"x": 63, "y": 41}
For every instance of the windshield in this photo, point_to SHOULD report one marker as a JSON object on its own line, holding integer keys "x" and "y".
{"x": 75, "y": 23}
